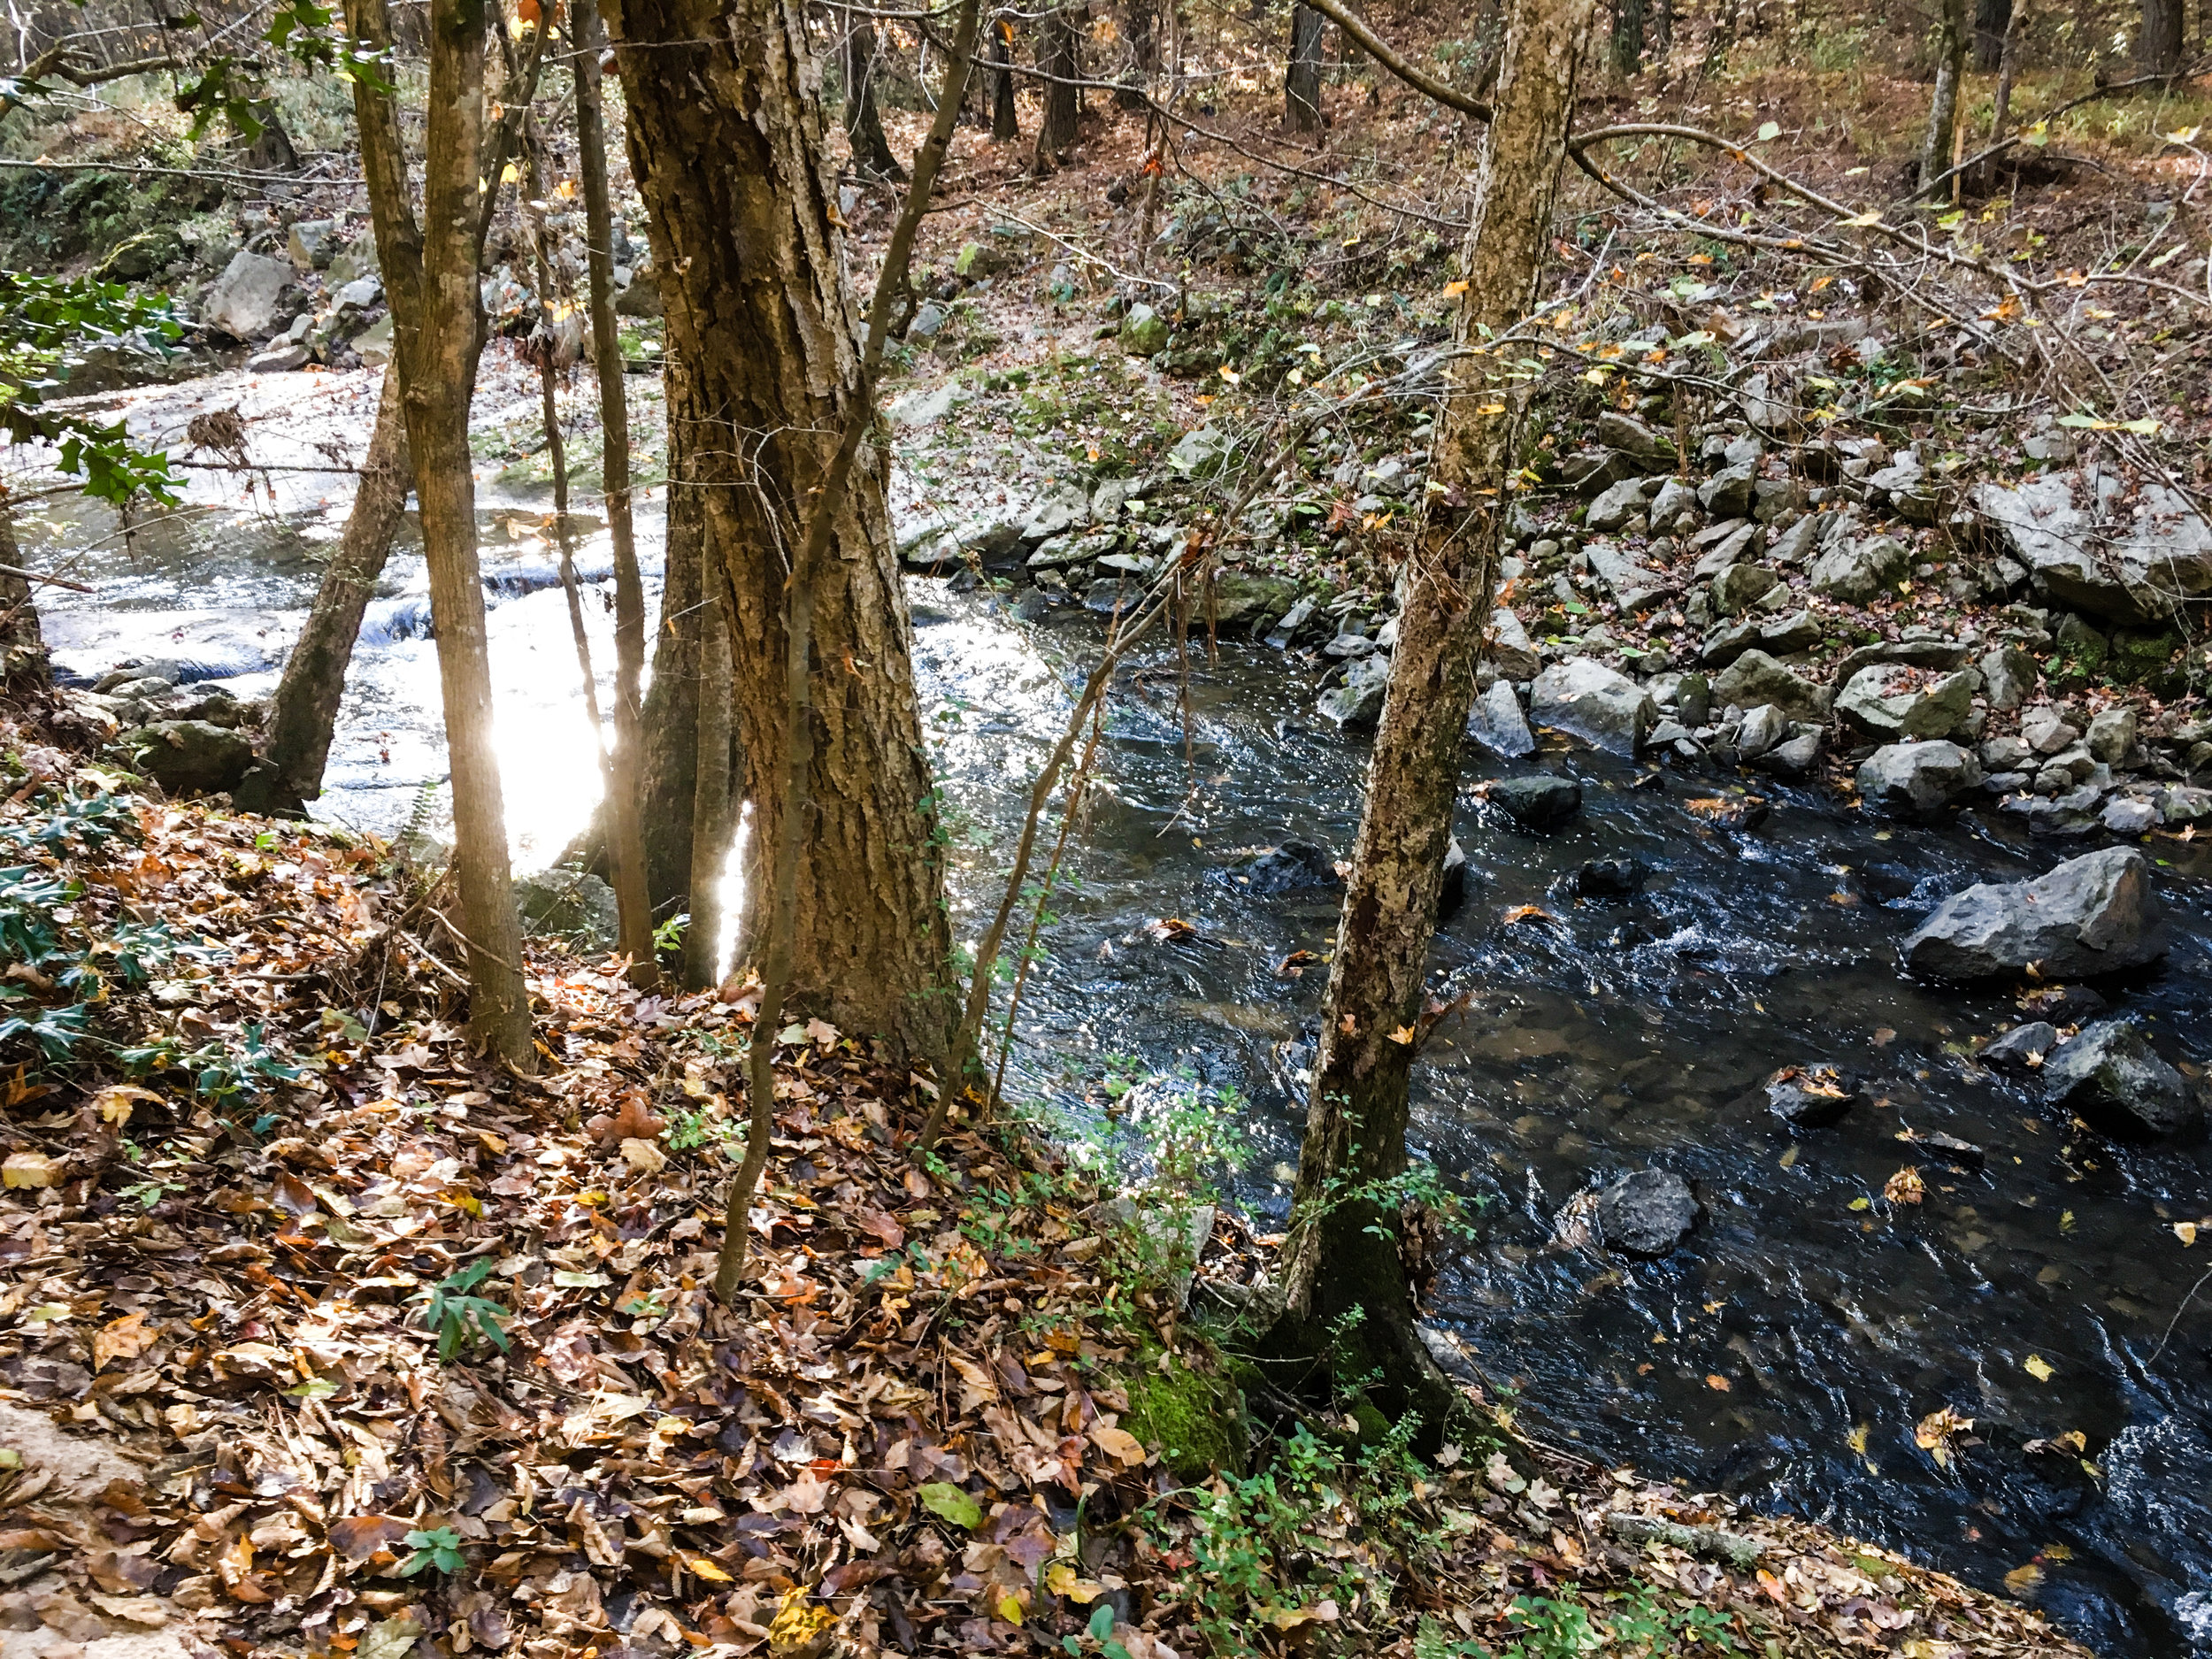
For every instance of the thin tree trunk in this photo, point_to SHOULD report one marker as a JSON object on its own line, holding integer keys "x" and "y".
{"x": 1662, "y": 32}
{"x": 1302, "y": 77}
{"x": 23, "y": 660}
{"x": 864, "y": 124}
{"x": 1004, "y": 117}
{"x": 2000, "y": 110}
{"x": 1993, "y": 22}
{"x": 1345, "y": 1286}
{"x": 1057, "y": 57}
{"x": 1628, "y": 36}
{"x": 2165, "y": 25}
{"x": 1936, "y": 152}
{"x": 1140, "y": 25}
{"x": 633, "y": 897}
{"x": 712, "y": 821}
{"x": 430, "y": 273}
{"x": 727, "y": 145}
{"x": 303, "y": 713}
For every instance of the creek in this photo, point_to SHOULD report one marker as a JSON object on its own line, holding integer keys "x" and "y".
{"x": 1785, "y": 1352}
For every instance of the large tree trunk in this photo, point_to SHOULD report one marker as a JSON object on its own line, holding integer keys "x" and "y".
{"x": 1628, "y": 36}
{"x": 2164, "y": 27}
{"x": 430, "y": 273}
{"x": 1936, "y": 153}
{"x": 1301, "y": 78}
{"x": 303, "y": 713}
{"x": 864, "y": 124}
{"x": 1058, "y": 58}
{"x": 726, "y": 134}
{"x": 712, "y": 819}
{"x": 1343, "y": 1278}
{"x": 624, "y": 820}
{"x": 1991, "y": 18}
{"x": 1004, "y": 123}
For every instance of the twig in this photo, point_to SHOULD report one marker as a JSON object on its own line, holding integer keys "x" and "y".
{"x": 51, "y": 582}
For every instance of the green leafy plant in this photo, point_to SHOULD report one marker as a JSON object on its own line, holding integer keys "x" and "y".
{"x": 440, "y": 1548}
{"x": 670, "y": 934}
{"x": 461, "y": 1319}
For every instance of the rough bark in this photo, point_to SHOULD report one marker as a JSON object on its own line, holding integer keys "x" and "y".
{"x": 1058, "y": 58}
{"x": 624, "y": 821}
{"x": 23, "y": 660}
{"x": 1004, "y": 119}
{"x": 1302, "y": 77}
{"x": 726, "y": 133}
{"x": 1628, "y": 36}
{"x": 864, "y": 123}
{"x": 2007, "y": 66}
{"x": 303, "y": 713}
{"x": 713, "y": 823}
{"x": 429, "y": 268}
{"x": 2165, "y": 25}
{"x": 1343, "y": 1257}
{"x": 1937, "y": 150}
{"x": 1140, "y": 27}
{"x": 1991, "y": 19}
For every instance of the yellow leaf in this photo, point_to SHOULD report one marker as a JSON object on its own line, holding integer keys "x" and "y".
{"x": 114, "y": 1104}
{"x": 2186, "y": 1232}
{"x": 2023, "y": 1581}
{"x": 1009, "y": 1609}
{"x": 1857, "y": 1440}
{"x": 2187, "y": 135}
{"x": 1716, "y": 1382}
{"x": 1403, "y": 1035}
{"x": 708, "y": 1570}
{"x": 1117, "y": 1443}
{"x": 508, "y": 175}
{"x": 1905, "y": 1186}
{"x": 1452, "y": 290}
{"x": 30, "y": 1168}
{"x": 2039, "y": 1368}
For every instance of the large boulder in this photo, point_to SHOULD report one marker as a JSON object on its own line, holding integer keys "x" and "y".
{"x": 1912, "y": 779}
{"x": 1855, "y": 570}
{"x": 242, "y": 303}
{"x": 2111, "y": 1076}
{"x": 2129, "y": 556}
{"x": 1497, "y": 723}
{"x": 1245, "y": 599}
{"x": 1886, "y": 702}
{"x": 1601, "y": 705}
{"x": 1756, "y": 678}
{"x": 1646, "y": 1213}
{"x": 190, "y": 757}
{"x": 2095, "y": 914}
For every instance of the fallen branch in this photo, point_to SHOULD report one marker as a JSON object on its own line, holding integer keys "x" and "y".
{"x": 1737, "y": 1551}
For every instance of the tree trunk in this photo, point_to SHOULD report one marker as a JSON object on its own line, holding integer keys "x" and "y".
{"x": 1140, "y": 25}
{"x": 303, "y": 713}
{"x": 1004, "y": 124}
{"x": 430, "y": 273}
{"x": 2008, "y": 65}
{"x": 671, "y": 706}
{"x": 23, "y": 660}
{"x": 864, "y": 126}
{"x": 1991, "y": 19}
{"x": 1943, "y": 112}
{"x": 1345, "y": 1286}
{"x": 2160, "y": 45}
{"x": 1057, "y": 57}
{"x": 1662, "y": 32}
{"x": 1628, "y": 36}
{"x": 1301, "y": 78}
{"x": 726, "y": 136}
{"x": 633, "y": 899}
{"x": 712, "y": 823}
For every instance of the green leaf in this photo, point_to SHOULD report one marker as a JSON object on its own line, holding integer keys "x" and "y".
{"x": 1771, "y": 129}
{"x": 1103, "y": 1620}
{"x": 313, "y": 1388}
{"x": 948, "y": 1502}
{"x": 569, "y": 1280}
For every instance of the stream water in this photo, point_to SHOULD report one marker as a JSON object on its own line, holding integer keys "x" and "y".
{"x": 1786, "y": 1351}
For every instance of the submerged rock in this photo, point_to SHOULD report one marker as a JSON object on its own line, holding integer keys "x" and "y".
{"x": 1541, "y": 802}
{"x": 2095, "y": 914}
{"x": 1611, "y": 877}
{"x": 2023, "y": 1047}
{"x": 1647, "y": 1213}
{"x": 2110, "y": 1075}
{"x": 1810, "y": 1096}
{"x": 1293, "y": 867}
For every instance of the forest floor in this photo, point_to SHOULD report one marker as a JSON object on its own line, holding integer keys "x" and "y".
{"x": 320, "y": 1336}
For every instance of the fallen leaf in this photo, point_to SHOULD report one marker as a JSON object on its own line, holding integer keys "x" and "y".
{"x": 2039, "y": 1368}
{"x": 1905, "y": 1186}
{"x": 30, "y": 1168}
{"x": 949, "y": 1502}
{"x": 125, "y": 1338}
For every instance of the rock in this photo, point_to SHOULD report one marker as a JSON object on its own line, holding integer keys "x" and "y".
{"x": 243, "y": 302}
{"x": 2047, "y": 731}
{"x": 1293, "y": 867}
{"x": 1245, "y": 599}
{"x": 1625, "y": 579}
{"x": 1280, "y": 636}
{"x": 1794, "y": 759}
{"x": 2110, "y": 1075}
{"x": 929, "y": 321}
{"x": 1904, "y": 653}
{"x": 313, "y": 243}
{"x": 2023, "y": 1047}
{"x": 1883, "y": 702}
{"x": 1797, "y": 631}
{"x": 1796, "y": 543}
{"x": 1810, "y": 1096}
{"x": 1675, "y": 498}
{"x": 1599, "y": 705}
{"x": 1856, "y": 571}
{"x": 374, "y": 344}
{"x": 572, "y": 904}
{"x": 2128, "y": 562}
{"x": 2095, "y": 914}
{"x": 190, "y": 756}
{"x": 1611, "y": 877}
{"x": 1630, "y": 437}
{"x": 926, "y": 409}
{"x": 1741, "y": 586}
{"x": 1510, "y": 651}
{"x": 2111, "y": 735}
{"x": 147, "y": 254}
{"x": 1202, "y": 453}
{"x": 1358, "y": 702}
{"x": 1497, "y": 723}
{"x": 1143, "y": 331}
{"x": 1647, "y": 1214}
{"x": 1617, "y": 505}
{"x": 2186, "y": 804}
{"x": 1061, "y": 552}
{"x": 356, "y": 295}
{"x": 1761, "y": 729}
{"x": 1591, "y": 470}
{"x": 1539, "y": 802}
{"x": 1913, "y": 780}
{"x": 2129, "y": 816}
{"x": 1756, "y": 678}
{"x": 279, "y": 359}
{"x": 1062, "y": 507}
{"x": 2008, "y": 674}
{"x": 1729, "y": 493}
{"x": 1451, "y": 894}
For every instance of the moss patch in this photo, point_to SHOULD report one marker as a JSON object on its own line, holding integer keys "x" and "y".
{"x": 1195, "y": 1417}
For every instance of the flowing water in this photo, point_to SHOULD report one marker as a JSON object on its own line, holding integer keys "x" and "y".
{"x": 1786, "y": 1351}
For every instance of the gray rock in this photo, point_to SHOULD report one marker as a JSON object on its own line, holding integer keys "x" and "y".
{"x": 1202, "y": 453}
{"x": 2111, "y": 735}
{"x": 929, "y": 321}
{"x": 279, "y": 359}
{"x": 1611, "y": 877}
{"x": 1062, "y": 507}
{"x": 1244, "y": 599}
{"x": 1882, "y": 702}
{"x": 569, "y": 905}
{"x": 1293, "y": 867}
{"x": 1106, "y": 501}
{"x": 2023, "y": 1047}
{"x": 2128, "y": 557}
{"x": 1913, "y": 780}
{"x": 1538, "y": 802}
{"x": 2110, "y": 1075}
{"x": 243, "y": 302}
{"x": 1601, "y": 705}
{"x": 1796, "y": 543}
{"x": 1069, "y": 549}
{"x": 2186, "y": 804}
{"x": 1727, "y": 550}
{"x": 1794, "y": 759}
{"x": 2095, "y": 914}
{"x": 1729, "y": 493}
{"x": 1647, "y": 1214}
{"x": 2008, "y": 675}
{"x": 1497, "y": 723}
{"x": 1810, "y": 1096}
{"x": 2047, "y": 731}
{"x": 1143, "y": 331}
{"x": 926, "y": 409}
{"x": 1905, "y": 653}
{"x": 2129, "y": 816}
{"x": 1280, "y": 636}
{"x": 357, "y": 296}
{"x": 190, "y": 756}
{"x": 1756, "y": 678}
{"x": 1623, "y": 577}
{"x": 1785, "y": 637}
{"x": 1856, "y": 571}
{"x": 1510, "y": 652}
{"x": 2005, "y": 754}
{"x": 313, "y": 243}
{"x": 1358, "y": 702}
{"x": 1741, "y": 586}
{"x": 1591, "y": 470}
{"x": 1675, "y": 498}
{"x": 374, "y": 343}
{"x": 1762, "y": 728}
{"x": 1631, "y": 436}
{"x": 1617, "y": 504}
